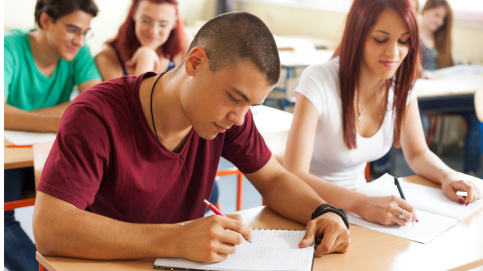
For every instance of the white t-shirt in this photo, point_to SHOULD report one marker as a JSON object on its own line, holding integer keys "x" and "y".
{"x": 331, "y": 159}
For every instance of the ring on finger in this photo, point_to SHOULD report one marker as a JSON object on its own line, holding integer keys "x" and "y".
{"x": 401, "y": 215}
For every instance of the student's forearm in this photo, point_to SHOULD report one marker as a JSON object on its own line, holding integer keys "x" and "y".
{"x": 18, "y": 119}
{"x": 430, "y": 166}
{"x": 340, "y": 197}
{"x": 72, "y": 232}
{"x": 144, "y": 65}
{"x": 56, "y": 110}
{"x": 287, "y": 196}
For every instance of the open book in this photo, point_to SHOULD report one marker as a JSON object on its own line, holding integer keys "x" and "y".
{"x": 436, "y": 212}
{"x": 269, "y": 250}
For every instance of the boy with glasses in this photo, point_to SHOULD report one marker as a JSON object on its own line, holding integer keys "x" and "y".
{"x": 42, "y": 66}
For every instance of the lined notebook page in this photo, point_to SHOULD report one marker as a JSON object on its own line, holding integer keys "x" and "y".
{"x": 269, "y": 250}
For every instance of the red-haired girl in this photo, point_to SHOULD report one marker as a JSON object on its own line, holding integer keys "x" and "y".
{"x": 353, "y": 108}
{"x": 150, "y": 39}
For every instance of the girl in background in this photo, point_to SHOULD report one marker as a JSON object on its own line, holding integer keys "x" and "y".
{"x": 435, "y": 37}
{"x": 351, "y": 109}
{"x": 152, "y": 38}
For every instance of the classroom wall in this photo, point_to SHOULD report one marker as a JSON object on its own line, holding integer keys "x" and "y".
{"x": 283, "y": 20}
{"x": 293, "y": 21}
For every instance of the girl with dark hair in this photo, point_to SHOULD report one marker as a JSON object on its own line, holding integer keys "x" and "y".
{"x": 152, "y": 38}
{"x": 351, "y": 109}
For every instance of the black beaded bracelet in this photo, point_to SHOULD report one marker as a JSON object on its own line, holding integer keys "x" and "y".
{"x": 324, "y": 208}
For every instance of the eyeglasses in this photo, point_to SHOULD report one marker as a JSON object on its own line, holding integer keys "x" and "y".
{"x": 151, "y": 23}
{"x": 74, "y": 30}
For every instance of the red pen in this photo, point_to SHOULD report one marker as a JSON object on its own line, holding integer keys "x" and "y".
{"x": 18, "y": 146}
{"x": 213, "y": 208}
{"x": 216, "y": 211}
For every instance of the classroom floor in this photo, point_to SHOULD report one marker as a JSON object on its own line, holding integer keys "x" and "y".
{"x": 451, "y": 155}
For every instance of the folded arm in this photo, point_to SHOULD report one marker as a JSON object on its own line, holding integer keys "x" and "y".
{"x": 43, "y": 120}
{"x": 40, "y": 120}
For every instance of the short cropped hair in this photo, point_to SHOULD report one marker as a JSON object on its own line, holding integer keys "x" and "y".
{"x": 237, "y": 36}
{"x": 58, "y": 8}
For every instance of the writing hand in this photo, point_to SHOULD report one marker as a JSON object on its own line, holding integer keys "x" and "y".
{"x": 334, "y": 233}
{"x": 386, "y": 210}
{"x": 213, "y": 238}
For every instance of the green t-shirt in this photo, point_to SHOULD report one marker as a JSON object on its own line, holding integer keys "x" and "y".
{"x": 27, "y": 88}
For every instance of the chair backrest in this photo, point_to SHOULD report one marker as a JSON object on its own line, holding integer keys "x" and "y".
{"x": 479, "y": 104}
{"x": 40, "y": 152}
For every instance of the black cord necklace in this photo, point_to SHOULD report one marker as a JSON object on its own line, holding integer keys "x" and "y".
{"x": 151, "y": 105}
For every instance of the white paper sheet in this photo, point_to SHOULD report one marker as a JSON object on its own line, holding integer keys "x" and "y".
{"x": 269, "y": 250}
{"x": 436, "y": 212}
{"x": 429, "y": 226}
{"x": 27, "y": 138}
{"x": 421, "y": 197}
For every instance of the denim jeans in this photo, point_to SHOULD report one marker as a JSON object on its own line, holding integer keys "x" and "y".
{"x": 481, "y": 142}
{"x": 19, "y": 251}
{"x": 472, "y": 148}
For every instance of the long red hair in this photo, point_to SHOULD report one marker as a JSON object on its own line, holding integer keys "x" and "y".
{"x": 127, "y": 43}
{"x": 361, "y": 18}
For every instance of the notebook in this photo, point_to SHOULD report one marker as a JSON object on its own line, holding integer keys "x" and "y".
{"x": 269, "y": 250}
{"x": 436, "y": 212}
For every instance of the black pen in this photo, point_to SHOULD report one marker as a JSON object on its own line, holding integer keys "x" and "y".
{"x": 396, "y": 182}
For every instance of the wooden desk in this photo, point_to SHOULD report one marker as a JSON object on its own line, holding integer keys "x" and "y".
{"x": 17, "y": 157}
{"x": 459, "y": 248}
{"x": 22, "y": 157}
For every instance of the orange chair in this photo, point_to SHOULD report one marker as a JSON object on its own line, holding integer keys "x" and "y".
{"x": 367, "y": 172}
{"x": 7, "y": 206}
{"x": 239, "y": 194}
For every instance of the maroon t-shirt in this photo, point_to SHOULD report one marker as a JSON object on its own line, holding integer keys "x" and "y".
{"x": 106, "y": 159}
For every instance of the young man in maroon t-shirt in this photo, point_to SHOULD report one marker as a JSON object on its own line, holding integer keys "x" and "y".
{"x": 135, "y": 155}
